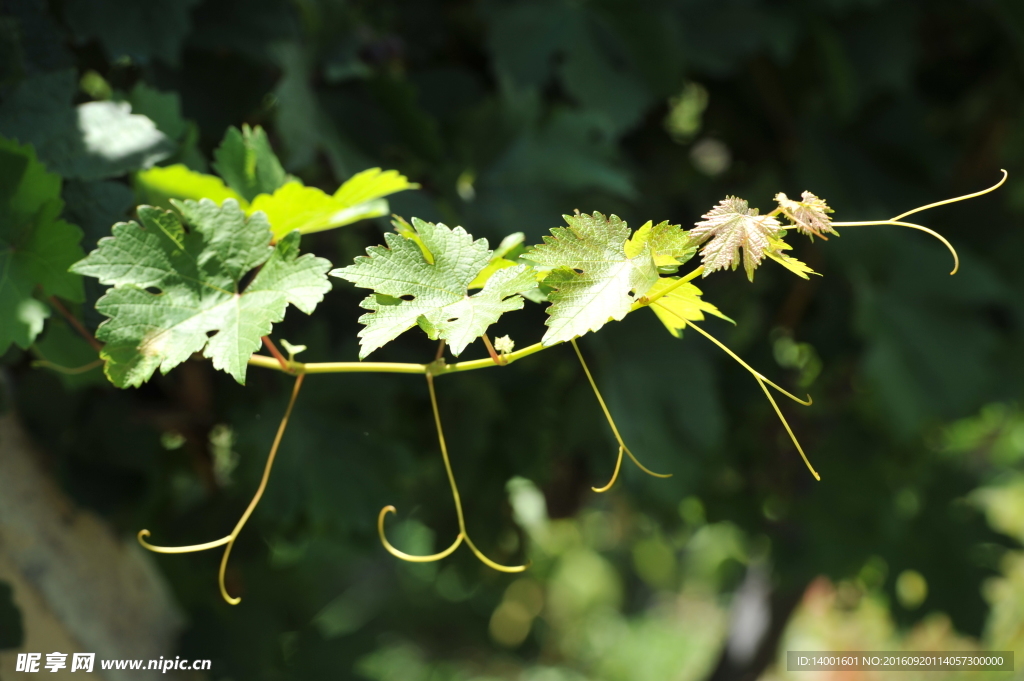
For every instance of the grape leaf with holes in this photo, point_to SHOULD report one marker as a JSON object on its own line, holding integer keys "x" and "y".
{"x": 36, "y": 247}
{"x": 201, "y": 303}
{"x": 410, "y": 290}
{"x": 597, "y": 271}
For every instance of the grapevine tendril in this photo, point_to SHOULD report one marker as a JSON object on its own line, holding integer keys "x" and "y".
{"x": 463, "y": 534}
{"x": 615, "y": 430}
{"x": 762, "y": 381}
{"x": 68, "y": 371}
{"x": 898, "y": 220}
{"x": 230, "y": 539}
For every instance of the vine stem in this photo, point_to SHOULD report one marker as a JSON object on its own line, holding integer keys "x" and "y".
{"x": 463, "y": 535}
{"x": 275, "y": 352}
{"x": 77, "y": 325}
{"x": 435, "y": 368}
{"x": 230, "y": 539}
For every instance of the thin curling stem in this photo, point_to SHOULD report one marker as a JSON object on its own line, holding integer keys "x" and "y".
{"x": 808, "y": 402}
{"x": 68, "y": 371}
{"x": 911, "y": 225}
{"x": 463, "y": 534}
{"x": 408, "y": 556}
{"x": 789, "y": 430}
{"x": 898, "y": 220}
{"x": 994, "y": 187}
{"x": 615, "y": 474}
{"x": 230, "y": 539}
{"x": 761, "y": 381}
{"x": 615, "y": 430}
{"x": 676, "y": 284}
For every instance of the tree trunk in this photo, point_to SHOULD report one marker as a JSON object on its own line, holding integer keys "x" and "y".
{"x": 78, "y": 586}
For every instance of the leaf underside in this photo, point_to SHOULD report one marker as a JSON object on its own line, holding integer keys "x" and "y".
{"x": 729, "y": 227}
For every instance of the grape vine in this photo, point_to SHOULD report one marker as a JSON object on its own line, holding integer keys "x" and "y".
{"x": 213, "y": 262}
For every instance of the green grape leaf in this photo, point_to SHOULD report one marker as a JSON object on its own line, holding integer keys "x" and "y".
{"x": 157, "y": 186}
{"x": 199, "y": 273}
{"x": 680, "y": 305}
{"x": 95, "y": 206}
{"x": 777, "y": 253}
{"x": 410, "y": 290}
{"x": 730, "y": 226}
{"x": 671, "y": 246}
{"x": 127, "y": 28}
{"x": 36, "y": 247}
{"x": 809, "y": 215}
{"x": 247, "y": 163}
{"x": 498, "y": 261}
{"x": 92, "y": 141}
{"x": 593, "y": 279}
{"x": 163, "y": 108}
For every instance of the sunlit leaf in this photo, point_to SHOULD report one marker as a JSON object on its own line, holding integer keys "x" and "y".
{"x": 593, "y": 280}
{"x": 730, "y": 226}
{"x": 409, "y": 290}
{"x": 202, "y": 303}
{"x": 683, "y": 303}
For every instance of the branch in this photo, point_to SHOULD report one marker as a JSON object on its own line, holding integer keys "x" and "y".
{"x": 437, "y": 368}
{"x": 78, "y": 326}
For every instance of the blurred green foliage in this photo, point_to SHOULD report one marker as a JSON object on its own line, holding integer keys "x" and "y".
{"x": 509, "y": 114}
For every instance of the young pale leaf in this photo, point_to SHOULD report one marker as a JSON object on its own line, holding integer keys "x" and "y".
{"x": 778, "y": 254}
{"x": 409, "y": 289}
{"x": 498, "y": 261}
{"x": 157, "y": 186}
{"x": 308, "y": 209}
{"x": 731, "y": 225}
{"x": 201, "y": 304}
{"x": 371, "y": 184}
{"x": 247, "y": 163}
{"x": 36, "y": 247}
{"x": 683, "y": 303}
{"x": 593, "y": 279}
{"x": 670, "y": 245}
{"x": 809, "y": 215}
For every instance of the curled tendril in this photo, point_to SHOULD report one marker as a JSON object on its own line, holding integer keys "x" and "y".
{"x": 899, "y": 222}
{"x": 230, "y": 539}
{"x": 615, "y": 430}
{"x": 463, "y": 535}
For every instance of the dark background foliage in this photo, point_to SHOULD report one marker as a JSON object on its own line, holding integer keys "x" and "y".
{"x": 510, "y": 114}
